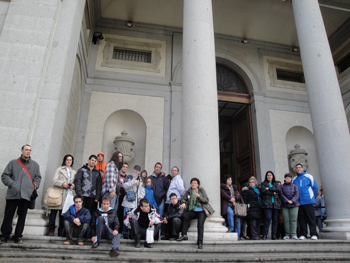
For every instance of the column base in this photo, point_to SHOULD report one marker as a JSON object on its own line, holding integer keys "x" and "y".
{"x": 336, "y": 229}
{"x": 37, "y": 223}
{"x": 213, "y": 230}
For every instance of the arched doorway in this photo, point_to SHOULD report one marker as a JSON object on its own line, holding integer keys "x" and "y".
{"x": 235, "y": 126}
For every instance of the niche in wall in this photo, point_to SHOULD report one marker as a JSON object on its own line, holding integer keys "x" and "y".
{"x": 134, "y": 125}
{"x": 305, "y": 138}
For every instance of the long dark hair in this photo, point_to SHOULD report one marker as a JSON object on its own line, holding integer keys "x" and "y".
{"x": 115, "y": 159}
{"x": 65, "y": 158}
{"x": 273, "y": 177}
{"x": 144, "y": 179}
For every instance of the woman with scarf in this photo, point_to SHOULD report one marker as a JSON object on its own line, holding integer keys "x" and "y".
{"x": 63, "y": 180}
{"x": 229, "y": 196}
{"x": 271, "y": 203}
{"x": 252, "y": 197}
{"x": 194, "y": 199}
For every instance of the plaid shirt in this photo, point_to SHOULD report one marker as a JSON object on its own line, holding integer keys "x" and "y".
{"x": 111, "y": 178}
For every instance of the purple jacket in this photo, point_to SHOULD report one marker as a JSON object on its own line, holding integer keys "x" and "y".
{"x": 226, "y": 196}
{"x": 289, "y": 192}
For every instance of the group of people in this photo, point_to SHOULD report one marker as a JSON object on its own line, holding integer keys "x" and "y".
{"x": 130, "y": 205}
{"x": 297, "y": 200}
{"x": 109, "y": 204}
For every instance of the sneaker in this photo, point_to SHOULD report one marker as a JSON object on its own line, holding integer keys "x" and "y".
{"x": 95, "y": 244}
{"x": 314, "y": 238}
{"x": 286, "y": 238}
{"x": 18, "y": 240}
{"x": 295, "y": 238}
{"x": 302, "y": 238}
{"x": 114, "y": 253}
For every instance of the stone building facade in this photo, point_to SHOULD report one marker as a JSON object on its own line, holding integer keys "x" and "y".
{"x": 213, "y": 87}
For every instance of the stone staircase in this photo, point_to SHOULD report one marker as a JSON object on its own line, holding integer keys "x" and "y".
{"x": 50, "y": 249}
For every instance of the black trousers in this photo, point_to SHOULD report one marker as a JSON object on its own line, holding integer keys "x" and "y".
{"x": 173, "y": 228}
{"x": 11, "y": 205}
{"x": 90, "y": 204}
{"x": 307, "y": 216}
{"x": 188, "y": 216}
{"x": 140, "y": 232}
{"x": 52, "y": 222}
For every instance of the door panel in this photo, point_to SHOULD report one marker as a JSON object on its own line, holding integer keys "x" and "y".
{"x": 243, "y": 150}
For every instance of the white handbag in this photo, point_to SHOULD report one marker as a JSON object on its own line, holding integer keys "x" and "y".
{"x": 150, "y": 235}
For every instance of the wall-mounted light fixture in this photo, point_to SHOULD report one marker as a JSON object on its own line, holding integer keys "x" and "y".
{"x": 244, "y": 41}
{"x": 295, "y": 49}
{"x": 97, "y": 36}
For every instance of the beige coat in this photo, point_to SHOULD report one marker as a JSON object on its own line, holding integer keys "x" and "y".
{"x": 59, "y": 178}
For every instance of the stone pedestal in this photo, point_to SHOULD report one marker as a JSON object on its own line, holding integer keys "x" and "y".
{"x": 328, "y": 116}
{"x": 200, "y": 130}
{"x": 37, "y": 223}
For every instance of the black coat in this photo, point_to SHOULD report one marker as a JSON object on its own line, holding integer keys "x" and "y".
{"x": 112, "y": 217}
{"x": 174, "y": 211}
{"x": 268, "y": 194}
{"x": 250, "y": 197}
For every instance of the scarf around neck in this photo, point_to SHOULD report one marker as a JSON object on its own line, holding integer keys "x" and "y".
{"x": 256, "y": 190}
{"x": 194, "y": 201}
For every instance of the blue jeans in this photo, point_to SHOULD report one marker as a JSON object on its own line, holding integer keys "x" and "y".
{"x": 114, "y": 201}
{"x": 270, "y": 213}
{"x": 160, "y": 209}
{"x": 234, "y": 222}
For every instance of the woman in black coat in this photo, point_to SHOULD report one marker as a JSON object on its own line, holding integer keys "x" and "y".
{"x": 252, "y": 197}
{"x": 271, "y": 203}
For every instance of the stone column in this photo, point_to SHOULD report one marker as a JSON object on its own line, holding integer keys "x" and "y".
{"x": 328, "y": 116}
{"x": 200, "y": 145}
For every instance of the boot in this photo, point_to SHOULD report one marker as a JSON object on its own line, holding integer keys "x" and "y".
{"x": 137, "y": 241}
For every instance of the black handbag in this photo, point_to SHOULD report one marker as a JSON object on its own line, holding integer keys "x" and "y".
{"x": 32, "y": 200}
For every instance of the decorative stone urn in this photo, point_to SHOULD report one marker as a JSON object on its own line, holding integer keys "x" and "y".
{"x": 296, "y": 156}
{"x": 124, "y": 144}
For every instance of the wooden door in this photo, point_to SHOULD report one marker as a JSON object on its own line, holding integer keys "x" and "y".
{"x": 243, "y": 147}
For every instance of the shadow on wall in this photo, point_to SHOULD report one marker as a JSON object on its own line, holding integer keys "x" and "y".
{"x": 135, "y": 126}
{"x": 305, "y": 138}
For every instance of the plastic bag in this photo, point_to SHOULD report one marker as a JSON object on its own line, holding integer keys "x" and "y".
{"x": 68, "y": 202}
{"x": 150, "y": 235}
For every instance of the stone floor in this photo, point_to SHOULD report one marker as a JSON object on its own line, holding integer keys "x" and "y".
{"x": 51, "y": 249}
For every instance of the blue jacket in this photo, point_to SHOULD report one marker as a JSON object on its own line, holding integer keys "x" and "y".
{"x": 150, "y": 196}
{"x": 83, "y": 215}
{"x": 307, "y": 186}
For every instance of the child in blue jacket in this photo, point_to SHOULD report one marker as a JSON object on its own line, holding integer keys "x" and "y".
{"x": 149, "y": 193}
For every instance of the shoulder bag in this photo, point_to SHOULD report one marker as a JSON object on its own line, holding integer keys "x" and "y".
{"x": 53, "y": 197}
{"x": 241, "y": 209}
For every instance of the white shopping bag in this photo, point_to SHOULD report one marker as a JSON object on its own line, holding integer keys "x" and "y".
{"x": 150, "y": 235}
{"x": 68, "y": 202}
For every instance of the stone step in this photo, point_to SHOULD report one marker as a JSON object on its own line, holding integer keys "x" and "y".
{"x": 50, "y": 249}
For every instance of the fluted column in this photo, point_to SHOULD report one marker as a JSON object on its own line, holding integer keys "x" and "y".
{"x": 328, "y": 116}
{"x": 200, "y": 147}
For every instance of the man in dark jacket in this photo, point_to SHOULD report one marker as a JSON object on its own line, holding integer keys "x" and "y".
{"x": 88, "y": 184}
{"x": 172, "y": 219}
{"x": 105, "y": 224}
{"x": 160, "y": 187}
{"x": 76, "y": 221}
{"x": 21, "y": 185}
